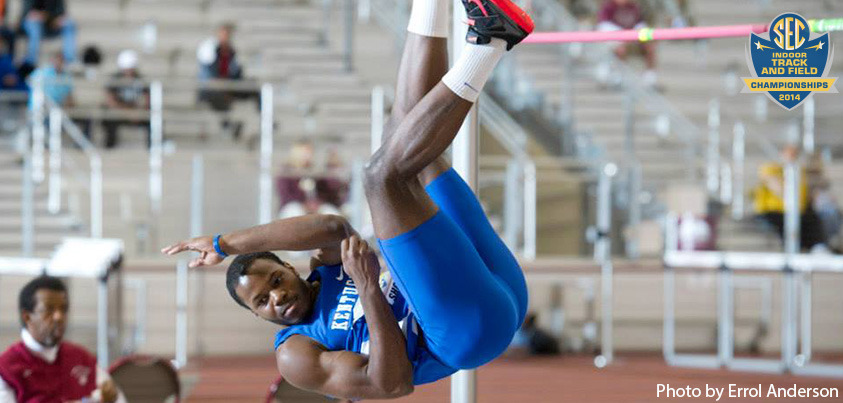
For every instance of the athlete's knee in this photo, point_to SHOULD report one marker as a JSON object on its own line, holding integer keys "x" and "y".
{"x": 380, "y": 173}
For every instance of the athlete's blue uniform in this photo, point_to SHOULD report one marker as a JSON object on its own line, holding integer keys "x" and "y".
{"x": 455, "y": 288}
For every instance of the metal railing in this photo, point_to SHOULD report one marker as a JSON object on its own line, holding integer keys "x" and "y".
{"x": 49, "y": 121}
{"x": 58, "y": 123}
{"x": 520, "y": 91}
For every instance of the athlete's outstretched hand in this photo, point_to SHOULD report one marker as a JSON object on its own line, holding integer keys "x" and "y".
{"x": 204, "y": 245}
{"x": 360, "y": 262}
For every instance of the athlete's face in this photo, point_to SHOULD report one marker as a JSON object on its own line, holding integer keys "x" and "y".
{"x": 275, "y": 292}
{"x": 48, "y": 320}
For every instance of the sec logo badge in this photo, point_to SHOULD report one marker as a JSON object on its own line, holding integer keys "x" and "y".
{"x": 790, "y": 62}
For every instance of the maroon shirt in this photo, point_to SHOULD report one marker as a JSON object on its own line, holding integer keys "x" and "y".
{"x": 72, "y": 376}
{"x": 626, "y": 16}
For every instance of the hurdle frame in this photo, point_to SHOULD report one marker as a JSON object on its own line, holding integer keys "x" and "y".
{"x": 790, "y": 265}
{"x": 727, "y": 263}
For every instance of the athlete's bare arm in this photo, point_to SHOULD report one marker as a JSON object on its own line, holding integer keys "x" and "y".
{"x": 385, "y": 373}
{"x": 315, "y": 231}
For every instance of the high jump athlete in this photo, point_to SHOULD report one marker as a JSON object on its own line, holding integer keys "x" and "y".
{"x": 454, "y": 294}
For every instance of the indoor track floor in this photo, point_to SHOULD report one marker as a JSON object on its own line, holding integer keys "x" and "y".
{"x": 563, "y": 379}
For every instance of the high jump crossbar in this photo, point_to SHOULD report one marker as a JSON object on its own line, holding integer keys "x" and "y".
{"x": 668, "y": 34}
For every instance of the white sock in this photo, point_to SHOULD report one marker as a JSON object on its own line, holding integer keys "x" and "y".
{"x": 469, "y": 74}
{"x": 430, "y": 18}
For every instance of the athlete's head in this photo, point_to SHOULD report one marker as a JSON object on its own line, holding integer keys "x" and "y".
{"x": 43, "y": 305}
{"x": 270, "y": 288}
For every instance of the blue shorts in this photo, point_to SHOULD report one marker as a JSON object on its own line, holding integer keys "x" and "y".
{"x": 461, "y": 281}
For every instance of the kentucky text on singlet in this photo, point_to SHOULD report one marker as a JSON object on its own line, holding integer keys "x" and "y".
{"x": 338, "y": 323}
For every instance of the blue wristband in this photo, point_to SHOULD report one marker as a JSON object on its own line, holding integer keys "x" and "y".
{"x": 217, "y": 246}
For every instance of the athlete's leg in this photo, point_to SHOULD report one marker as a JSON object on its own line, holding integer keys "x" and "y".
{"x": 424, "y": 61}
{"x": 423, "y": 64}
{"x": 422, "y": 246}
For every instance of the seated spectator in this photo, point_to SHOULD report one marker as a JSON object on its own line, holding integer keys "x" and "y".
{"x": 56, "y": 81}
{"x": 218, "y": 61}
{"x": 58, "y": 87}
{"x": 127, "y": 91}
{"x": 617, "y": 15}
{"x": 823, "y": 201}
{"x": 48, "y": 18}
{"x": 7, "y": 35}
{"x": 42, "y": 367}
{"x": 9, "y": 78}
{"x": 301, "y": 192}
{"x": 769, "y": 202}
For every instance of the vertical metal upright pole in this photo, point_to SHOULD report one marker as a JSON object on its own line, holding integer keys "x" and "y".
{"x": 671, "y": 229}
{"x": 603, "y": 252}
{"x": 738, "y": 164}
{"x": 197, "y": 220}
{"x": 364, "y": 10}
{"x": 39, "y": 110}
{"x": 806, "y": 316}
{"x": 788, "y": 329}
{"x": 267, "y": 147}
{"x": 726, "y": 191}
{"x": 713, "y": 156}
{"x": 465, "y": 150}
{"x": 792, "y": 208}
{"x": 760, "y": 107}
{"x": 671, "y": 242}
{"x": 512, "y": 202}
{"x": 669, "y": 325}
{"x": 530, "y": 210}
{"x": 725, "y": 316}
{"x": 27, "y": 207}
{"x": 197, "y": 195}
{"x": 181, "y": 313}
{"x": 792, "y": 247}
{"x": 54, "y": 195}
{"x": 629, "y": 157}
{"x": 102, "y": 322}
{"x": 96, "y": 196}
{"x": 156, "y": 156}
{"x": 808, "y": 122}
{"x": 634, "y": 217}
{"x": 348, "y": 42}
{"x": 378, "y": 118}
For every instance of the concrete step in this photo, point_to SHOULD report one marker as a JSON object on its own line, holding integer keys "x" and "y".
{"x": 13, "y": 190}
{"x": 345, "y": 108}
{"x": 12, "y": 240}
{"x": 317, "y": 78}
{"x": 12, "y": 206}
{"x": 317, "y": 95}
{"x": 43, "y": 222}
